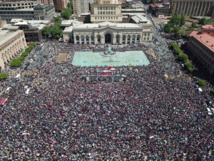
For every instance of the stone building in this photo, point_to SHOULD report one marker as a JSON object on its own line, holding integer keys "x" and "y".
{"x": 60, "y": 5}
{"x": 159, "y": 9}
{"x": 81, "y": 6}
{"x": 29, "y": 10}
{"x": 201, "y": 44}
{"x": 106, "y": 10}
{"x": 12, "y": 43}
{"x": 193, "y": 7}
{"x": 110, "y": 30}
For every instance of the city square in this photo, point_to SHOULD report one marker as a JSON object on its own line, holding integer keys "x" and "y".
{"x": 106, "y": 80}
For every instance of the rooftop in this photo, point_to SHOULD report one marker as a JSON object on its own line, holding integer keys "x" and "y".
{"x": 205, "y": 39}
{"x": 6, "y": 35}
{"x": 208, "y": 27}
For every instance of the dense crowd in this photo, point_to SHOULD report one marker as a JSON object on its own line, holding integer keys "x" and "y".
{"x": 147, "y": 117}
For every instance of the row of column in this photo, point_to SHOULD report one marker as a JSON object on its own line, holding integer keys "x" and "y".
{"x": 115, "y": 39}
{"x": 193, "y": 8}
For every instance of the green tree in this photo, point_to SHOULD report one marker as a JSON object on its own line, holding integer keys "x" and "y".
{"x": 175, "y": 20}
{"x": 194, "y": 24}
{"x": 176, "y": 31}
{"x": 188, "y": 65}
{"x": 56, "y": 32}
{"x": 57, "y": 20}
{"x": 15, "y": 63}
{"x": 66, "y": 14}
{"x": 201, "y": 83}
{"x": 203, "y": 21}
{"x": 182, "y": 57}
{"x": 167, "y": 28}
{"x": 3, "y": 76}
{"x": 46, "y": 31}
{"x": 212, "y": 91}
{"x": 182, "y": 20}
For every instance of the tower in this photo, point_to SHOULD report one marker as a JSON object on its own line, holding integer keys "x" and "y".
{"x": 106, "y": 10}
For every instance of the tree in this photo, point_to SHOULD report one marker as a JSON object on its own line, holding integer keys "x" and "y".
{"x": 58, "y": 20}
{"x": 182, "y": 20}
{"x": 212, "y": 91}
{"x": 3, "y": 76}
{"x": 188, "y": 65}
{"x": 194, "y": 24}
{"x": 167, "y": 28}
{"x": 66, "y": 14}
{"x": 175, "y": 20}
{"x": 203, "y": 21}
{"x": 201, "y": 83}
{"x": 46, "y": 31}
{"x": 175, "y": 31}
{"x": 182, "y": 57}
{"x": 56, "y": 32}
{"x": 15, "y": 63}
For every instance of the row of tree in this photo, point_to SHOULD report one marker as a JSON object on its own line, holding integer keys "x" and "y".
{"x": 18, "y": 61}
{"x": 3, "y": 76}
{"x": 182, "y": 57}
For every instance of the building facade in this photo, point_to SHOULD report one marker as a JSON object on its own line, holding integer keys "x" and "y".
{"x": 108, "y": 33}
{"x": 46, "y": 2}
{"x": 159, "y": 9}
{"x": 106, "y": 10}
{"x": 12, "y": 43}
{"x": 60, "y": 5}
{"x": 193, "y": 7}
{"x": 81, "y": 6}
{"x": 201, "y": 44}
{"x": 26, "y": 10}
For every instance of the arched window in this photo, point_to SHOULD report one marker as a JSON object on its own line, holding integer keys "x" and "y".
{"x": 98, "y": 39}
{"x": 133, "y": 39}
{"x": 138, "y": 38}
{"x": 87, "y": 39}
{"x": 128, "y": 39}
{"x": 124, "y": 39}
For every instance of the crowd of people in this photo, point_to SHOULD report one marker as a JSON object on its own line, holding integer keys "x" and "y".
{"x": 150, "y": 116}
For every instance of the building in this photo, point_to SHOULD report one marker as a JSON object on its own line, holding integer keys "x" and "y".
{"x": 159, "y": 9}
{"x": 81, "y": 6}
{"x": 201, "y": 44}
{"x": 32, "y": 28}
{"x": 12, "y": 43}
{"x": 25, "y": 10}
{"x": 46, "y": 2}
{"x": 193, "y": 7}
{"x": 106, "y": 10}
{"x": 60, "y": 5}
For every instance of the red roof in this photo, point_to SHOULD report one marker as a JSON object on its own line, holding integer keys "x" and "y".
{"x": 208, "y": 27}
{"x": 156, "y": 4}
{"x": 205, "y": 39}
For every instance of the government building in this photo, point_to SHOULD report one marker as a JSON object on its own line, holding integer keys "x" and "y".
{"x": 109, "y": 26}
{"x": 201, "y": 44}
{"x": 12, "y": 43}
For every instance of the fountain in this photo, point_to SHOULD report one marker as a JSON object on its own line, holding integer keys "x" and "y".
{"x": 109, "y": 51}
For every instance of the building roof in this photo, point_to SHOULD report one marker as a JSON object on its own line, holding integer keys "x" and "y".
{"x": 208, "y": 27}
{"x": 6, "y": 35}
{"x": 39, "y": 6}
{"x": 156, "y": 4}
{"x": 204, "y": 38}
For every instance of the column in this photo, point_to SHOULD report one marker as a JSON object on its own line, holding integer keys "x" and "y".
{"x": 85, "y": 39}
{"x": 135, "y": 41}
{"x": 126, "y": 39}
{"x": 75, "y": 41}
{"x": 95, "y": 40}
{"x": 102, "y": 39}
{"x": 121, "y": 39}
{"x": 89, "y": 39}
{"x": 114, "y": 39}
{"x": 197, "y": 8}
